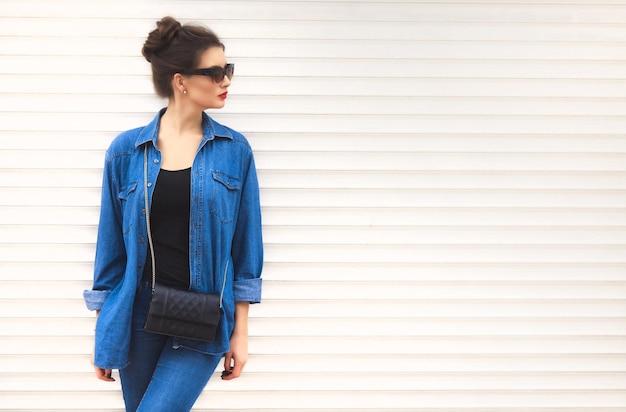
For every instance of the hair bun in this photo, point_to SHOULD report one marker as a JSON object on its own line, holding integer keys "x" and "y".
{"x": 161, "y": 37}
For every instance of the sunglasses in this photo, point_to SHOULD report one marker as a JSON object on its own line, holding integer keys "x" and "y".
{"x": 217, "y": 73}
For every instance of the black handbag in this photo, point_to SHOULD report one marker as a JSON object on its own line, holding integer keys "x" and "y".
{"x": 183, "y": 314}
{"x": 175, "y": 312}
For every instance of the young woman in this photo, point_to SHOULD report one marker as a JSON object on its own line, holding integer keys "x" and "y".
{"x": 205, "y": 218}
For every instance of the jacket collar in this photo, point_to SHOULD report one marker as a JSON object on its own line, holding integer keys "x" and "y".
{"x": 212, "y": 129}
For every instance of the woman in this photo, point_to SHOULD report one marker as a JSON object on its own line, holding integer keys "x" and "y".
{"x": 206, "y": 228}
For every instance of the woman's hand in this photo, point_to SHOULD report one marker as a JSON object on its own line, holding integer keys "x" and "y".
{"x": 236, "y": 359}
{"x": 102, "y": 374}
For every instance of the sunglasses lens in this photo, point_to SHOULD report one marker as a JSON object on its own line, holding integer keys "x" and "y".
{"x": 217, "y": 73}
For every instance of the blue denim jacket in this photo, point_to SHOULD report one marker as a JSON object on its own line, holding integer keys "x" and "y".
{"x": 224, "y": 239}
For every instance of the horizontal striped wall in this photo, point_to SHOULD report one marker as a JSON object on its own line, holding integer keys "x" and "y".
{"x": 443, "y": 191}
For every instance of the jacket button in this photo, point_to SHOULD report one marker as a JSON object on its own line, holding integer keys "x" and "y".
{"x": 156, "y": 160}
{"x": 149, "y": 184}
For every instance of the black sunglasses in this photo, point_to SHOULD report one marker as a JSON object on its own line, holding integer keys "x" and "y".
{"x": 217, "y": 73}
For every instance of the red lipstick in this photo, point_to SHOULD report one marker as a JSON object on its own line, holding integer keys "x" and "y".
{"x": 223, "y": 95}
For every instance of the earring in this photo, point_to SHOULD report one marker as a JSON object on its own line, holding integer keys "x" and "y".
{"x": 185, "y": 91}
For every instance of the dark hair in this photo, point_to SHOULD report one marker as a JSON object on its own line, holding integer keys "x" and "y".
{"x": 174, "y": 48}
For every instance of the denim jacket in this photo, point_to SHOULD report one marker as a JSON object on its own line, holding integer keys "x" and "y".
{"x": 224, "y": 233}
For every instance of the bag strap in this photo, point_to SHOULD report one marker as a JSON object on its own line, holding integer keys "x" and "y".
{"x": 145, "y": 191}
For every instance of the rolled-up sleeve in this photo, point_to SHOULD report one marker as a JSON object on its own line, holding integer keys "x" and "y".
{"x": 247, "y": 251}
{"x": 110, "y": 259}
{"x": 94, "y": 299}
{"x": 248, "y": 290}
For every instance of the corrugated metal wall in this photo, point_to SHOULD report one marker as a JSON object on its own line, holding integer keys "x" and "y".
{"x": 443, "y": 188}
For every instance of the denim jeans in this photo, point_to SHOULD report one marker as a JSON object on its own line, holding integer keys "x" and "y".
{"x": 160, "y": 375}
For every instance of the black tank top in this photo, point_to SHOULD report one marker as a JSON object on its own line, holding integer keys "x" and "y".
{"x": 169, "y": 221}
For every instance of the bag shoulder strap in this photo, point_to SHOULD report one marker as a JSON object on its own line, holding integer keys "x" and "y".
{"x": 147, "y": 213}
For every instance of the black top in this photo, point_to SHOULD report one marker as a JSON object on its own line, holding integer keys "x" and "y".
{"x": 169, "y": 221}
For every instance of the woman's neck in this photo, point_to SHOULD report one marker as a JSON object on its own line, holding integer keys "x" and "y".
{"x": 180, "y": 134}
{"x": 181, "y": 121}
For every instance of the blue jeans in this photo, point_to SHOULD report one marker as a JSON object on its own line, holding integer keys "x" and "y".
{"x": 160, "y": 375}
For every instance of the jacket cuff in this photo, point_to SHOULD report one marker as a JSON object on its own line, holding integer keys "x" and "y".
{"x": 248, "y": 290}
{"x": 95, "y": 298}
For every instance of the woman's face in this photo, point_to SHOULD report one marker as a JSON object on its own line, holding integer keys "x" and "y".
{"x": 202, "y": 90}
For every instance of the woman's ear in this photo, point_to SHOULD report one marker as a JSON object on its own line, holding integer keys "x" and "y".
{"x": 178, "y": 83}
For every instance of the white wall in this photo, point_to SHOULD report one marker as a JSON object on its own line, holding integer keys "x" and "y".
{"x": 443, "y": 189}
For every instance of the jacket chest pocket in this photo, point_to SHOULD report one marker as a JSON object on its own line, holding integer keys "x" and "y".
{"x": 225, "y": 196}
{"x": 126, "y": 196}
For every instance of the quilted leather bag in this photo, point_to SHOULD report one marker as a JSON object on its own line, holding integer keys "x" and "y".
{"x": 180, "y": 313}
